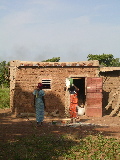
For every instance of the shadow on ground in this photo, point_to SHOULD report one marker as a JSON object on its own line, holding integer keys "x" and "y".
{"x": 19, "y": 136}
{"x": 12, "y": 128}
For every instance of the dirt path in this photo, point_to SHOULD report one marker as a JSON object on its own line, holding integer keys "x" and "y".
{"x": 12, "y": 127}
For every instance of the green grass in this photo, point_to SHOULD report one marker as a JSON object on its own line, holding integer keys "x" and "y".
{"x": 60, "y": 147}
{"x": 4, "y": 98}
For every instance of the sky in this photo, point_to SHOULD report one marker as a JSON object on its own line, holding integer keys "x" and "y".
{"x": 37, "y": 30}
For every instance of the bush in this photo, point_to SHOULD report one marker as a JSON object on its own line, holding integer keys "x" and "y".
{"x": 4, "y": 98}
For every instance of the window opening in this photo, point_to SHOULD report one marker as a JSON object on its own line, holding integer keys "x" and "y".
{"x": 46, "y": 83}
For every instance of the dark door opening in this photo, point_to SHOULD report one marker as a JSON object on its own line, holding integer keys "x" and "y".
{"x": 80, "y": 83}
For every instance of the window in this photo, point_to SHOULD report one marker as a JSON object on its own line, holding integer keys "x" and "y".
{"x": 46, "y": 83}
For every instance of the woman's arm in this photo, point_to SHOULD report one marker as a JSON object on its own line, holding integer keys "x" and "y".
{"x": 34, "y": 100}
{"x": 77, "y": 89}
{"x": 44, "y": 101}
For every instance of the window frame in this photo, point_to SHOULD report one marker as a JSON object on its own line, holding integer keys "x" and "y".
{"x": 46, "y": 83}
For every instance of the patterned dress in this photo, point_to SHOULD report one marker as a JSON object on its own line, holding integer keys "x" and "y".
{"x": 39, "y": 105}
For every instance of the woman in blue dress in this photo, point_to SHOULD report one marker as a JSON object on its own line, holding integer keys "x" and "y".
{"x": 39, "y": 103}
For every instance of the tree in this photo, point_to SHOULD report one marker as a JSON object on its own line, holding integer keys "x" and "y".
{"x": 107, "y": 60}
{"x": 4, "y": 73}
{"x": 116, "y": 62}
{"x": 54, "y": 59}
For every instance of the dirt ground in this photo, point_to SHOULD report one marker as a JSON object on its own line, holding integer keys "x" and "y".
{"x": 12, "y": 127}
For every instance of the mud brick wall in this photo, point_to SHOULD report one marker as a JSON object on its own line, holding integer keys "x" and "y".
{"x": 26, "y": 75}
{"x": 111, "y": 82}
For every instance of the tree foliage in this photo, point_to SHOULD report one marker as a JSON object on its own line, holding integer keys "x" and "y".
{"x": 4, "y": 73}
{"x": 107, "y": 60}
{"x": 54, "y": 59}
{"x": 116, "y": 62}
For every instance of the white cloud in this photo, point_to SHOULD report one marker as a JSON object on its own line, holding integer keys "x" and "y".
{"x": 100, "y": 7}
{"x": 82, "y": 20}
{"x": 47, "y": 4}
{"x": 17, "y": 19}
{"x": 2, "y": 7}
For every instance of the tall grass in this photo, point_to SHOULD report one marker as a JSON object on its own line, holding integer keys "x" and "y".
{"x": 4, "y": 98}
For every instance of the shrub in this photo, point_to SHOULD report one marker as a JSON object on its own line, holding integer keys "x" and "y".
{"x": 4, "y": 98}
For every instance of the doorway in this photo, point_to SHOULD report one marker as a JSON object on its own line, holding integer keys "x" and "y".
{"x": 79, "y": 82}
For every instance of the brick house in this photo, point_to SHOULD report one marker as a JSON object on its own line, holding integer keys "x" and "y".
{"x": 56, "y": 77}
{"x": 111, "y": 90}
